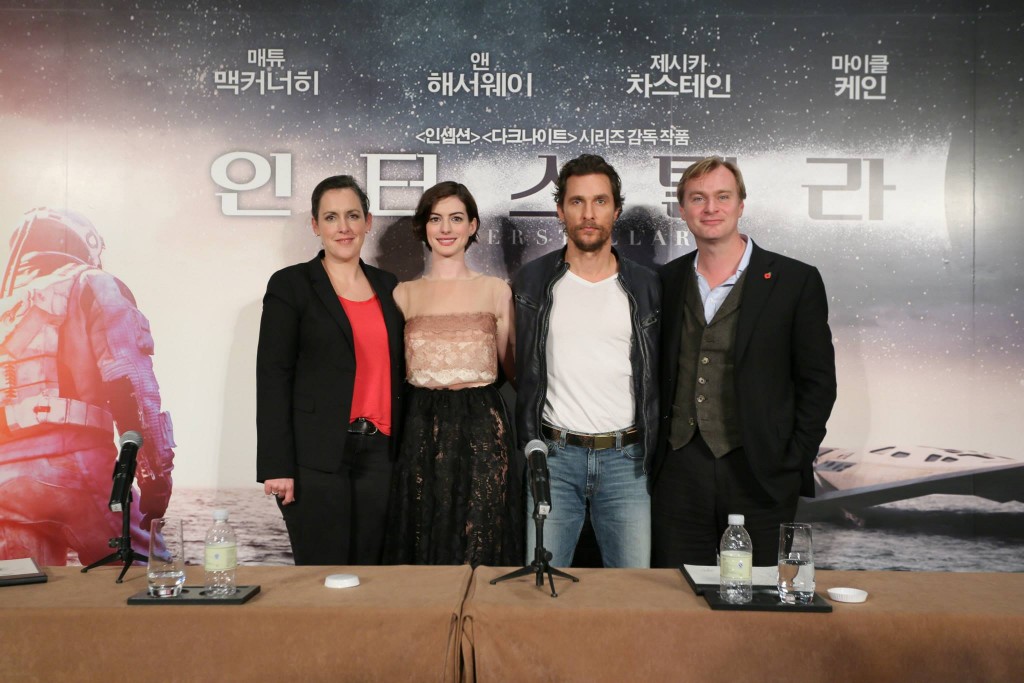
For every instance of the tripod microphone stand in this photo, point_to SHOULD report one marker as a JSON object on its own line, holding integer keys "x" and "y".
{"x": 121, "y": 501}
{"x": 541, "y": 557}
{"x": 124, "y": 546}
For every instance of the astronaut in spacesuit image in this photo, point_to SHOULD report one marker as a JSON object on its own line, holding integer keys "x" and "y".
{"x": 75, "y": 363}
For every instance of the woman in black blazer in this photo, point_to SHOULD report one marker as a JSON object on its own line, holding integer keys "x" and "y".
{"x": 329, "y": 372}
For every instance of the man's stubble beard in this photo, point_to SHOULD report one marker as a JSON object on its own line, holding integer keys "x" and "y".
{"x": 589, "y": 247}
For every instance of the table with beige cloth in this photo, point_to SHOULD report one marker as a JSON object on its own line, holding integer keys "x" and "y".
{"x": 400, "y": 624}
{"x": 647, "y": 625}
{"x": 403, "y": 624}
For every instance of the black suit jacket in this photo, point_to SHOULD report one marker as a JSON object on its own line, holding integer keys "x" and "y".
{"x": 784, "y": 366}
{"x": 306, "y": 369}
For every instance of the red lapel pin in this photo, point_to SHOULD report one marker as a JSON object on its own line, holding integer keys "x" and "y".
{"x": 767, "y": 276}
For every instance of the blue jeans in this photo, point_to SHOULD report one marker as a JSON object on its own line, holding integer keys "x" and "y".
{"x": 613, "y": 480}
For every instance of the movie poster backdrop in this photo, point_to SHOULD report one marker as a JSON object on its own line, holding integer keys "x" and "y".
{"x": 158, "y": 161}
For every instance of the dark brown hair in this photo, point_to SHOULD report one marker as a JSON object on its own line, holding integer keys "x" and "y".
{"x": 429, "y": 200}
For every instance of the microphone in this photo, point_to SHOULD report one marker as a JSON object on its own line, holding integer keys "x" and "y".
{"x": 124, "y": 471}
{"x": 540, "y": 483}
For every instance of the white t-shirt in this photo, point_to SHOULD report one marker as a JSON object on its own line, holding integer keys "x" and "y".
{"x": 590, "y": 378}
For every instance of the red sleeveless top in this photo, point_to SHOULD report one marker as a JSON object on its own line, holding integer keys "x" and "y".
{"x": 371, "y": 396}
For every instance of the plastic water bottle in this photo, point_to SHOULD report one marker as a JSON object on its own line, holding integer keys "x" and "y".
{"x": 221, "y": 556}
{"x": 735, "y": 562}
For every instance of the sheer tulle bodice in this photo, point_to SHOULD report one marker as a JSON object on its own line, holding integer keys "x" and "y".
{"x": 452, "y": 330}
{"x": 455, "y": 350}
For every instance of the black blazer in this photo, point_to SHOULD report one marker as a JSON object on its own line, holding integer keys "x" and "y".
{"x": 306, "y": 369}
{"x": 784, "y": 364}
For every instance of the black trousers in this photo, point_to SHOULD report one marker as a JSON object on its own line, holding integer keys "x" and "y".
{"x": 693, "y": 495}
{"x": 339, "y": 517}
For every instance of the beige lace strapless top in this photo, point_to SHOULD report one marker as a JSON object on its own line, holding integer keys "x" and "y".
{"x": 451, "y": 350}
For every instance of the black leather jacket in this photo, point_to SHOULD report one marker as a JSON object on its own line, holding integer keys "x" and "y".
{"x": 532, "y": 286}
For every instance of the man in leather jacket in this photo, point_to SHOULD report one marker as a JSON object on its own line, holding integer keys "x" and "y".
{"x": 587, "y": 325}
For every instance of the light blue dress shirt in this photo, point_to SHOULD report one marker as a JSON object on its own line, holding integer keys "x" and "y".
{"x": 713, "y": 298}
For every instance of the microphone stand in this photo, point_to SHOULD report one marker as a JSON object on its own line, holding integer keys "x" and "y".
{"x": 122, "y": 493}
{"x": 541, "y": 558}
{"x": 124, "y": 547}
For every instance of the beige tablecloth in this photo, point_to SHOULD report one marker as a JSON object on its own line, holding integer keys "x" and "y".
{"x": 647, "y": 625}
{"x": 400, "y": 624}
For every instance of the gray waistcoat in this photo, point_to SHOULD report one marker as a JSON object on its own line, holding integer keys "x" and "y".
{"x": 706, "y": 386}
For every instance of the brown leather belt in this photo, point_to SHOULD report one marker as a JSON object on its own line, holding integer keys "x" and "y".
{"x": 626, "y": 437}
{"x": 362, "y": 426}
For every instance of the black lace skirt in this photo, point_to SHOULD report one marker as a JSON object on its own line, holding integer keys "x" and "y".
{"x": 453, "y": 500}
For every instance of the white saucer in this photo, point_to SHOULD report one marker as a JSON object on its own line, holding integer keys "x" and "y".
{"x": 341, "y": 581}
{"x": 847, "y": 594}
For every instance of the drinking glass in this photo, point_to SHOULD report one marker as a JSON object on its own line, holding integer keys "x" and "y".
{"x": 166, "y": 570}
{"x": 796, "y": 564}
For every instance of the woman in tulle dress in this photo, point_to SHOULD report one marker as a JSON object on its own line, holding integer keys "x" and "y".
{"x": 453, "y": 498}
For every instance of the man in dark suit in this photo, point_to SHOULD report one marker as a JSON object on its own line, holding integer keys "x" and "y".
{"x": 748, "y": 380}
{"x": 329, "y": 383}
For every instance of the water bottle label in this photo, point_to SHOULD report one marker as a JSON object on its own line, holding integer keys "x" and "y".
{"x": 221, "y": 558}
{"x": 736, "y": 566}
